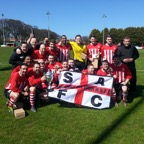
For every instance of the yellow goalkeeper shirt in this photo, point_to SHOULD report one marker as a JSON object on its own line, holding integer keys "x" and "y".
{"x": 77, "y": 50}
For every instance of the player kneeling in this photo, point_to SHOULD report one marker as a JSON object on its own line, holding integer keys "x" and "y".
{"x": 17, "y": 86}
{"x": 123, "y": 76}
{"x": 106, "y": 70}
{"x": 38, "y": 85}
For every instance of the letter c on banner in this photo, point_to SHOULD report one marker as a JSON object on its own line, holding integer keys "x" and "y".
{"x": 93, "y": 100}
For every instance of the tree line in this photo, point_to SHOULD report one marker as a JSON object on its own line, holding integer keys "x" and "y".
{"x": 20, "y": 31}
{"x": 135, "y": 33}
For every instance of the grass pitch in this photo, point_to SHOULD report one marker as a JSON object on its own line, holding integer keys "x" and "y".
{"x": 63, "y": 123}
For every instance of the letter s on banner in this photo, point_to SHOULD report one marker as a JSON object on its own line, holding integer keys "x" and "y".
{"x": 68, "y": 77}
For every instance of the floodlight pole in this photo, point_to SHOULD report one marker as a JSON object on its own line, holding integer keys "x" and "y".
{"x": 48, "y": 14}
{"x": 3, "y": 30}
{"x": 104, "y": 16}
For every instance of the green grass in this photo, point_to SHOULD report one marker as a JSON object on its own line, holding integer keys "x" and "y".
{"x": 63, "y": 123}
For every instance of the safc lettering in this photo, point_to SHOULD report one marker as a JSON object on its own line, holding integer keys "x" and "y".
{"x": 86, "y": 90}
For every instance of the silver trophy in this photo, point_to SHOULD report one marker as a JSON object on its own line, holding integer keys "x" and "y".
{"x": 49, "y": 76}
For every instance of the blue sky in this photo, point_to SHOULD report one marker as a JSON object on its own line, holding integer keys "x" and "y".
{"x": 72, "y": 17}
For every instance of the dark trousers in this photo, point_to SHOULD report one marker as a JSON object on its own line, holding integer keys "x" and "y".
{"x": 133, "y": 80}
{"x": 80, "y": 65}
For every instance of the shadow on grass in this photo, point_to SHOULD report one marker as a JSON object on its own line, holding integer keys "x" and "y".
{"x": 25, "y": 103}
{"x": 42, "y": 103}
{"x": 107, "y": 132}
{"x": 5, "y": 68}
{"x": 68, "y": 105}
{"x": 138, "y": 93}
{"x": 38, "y": 103}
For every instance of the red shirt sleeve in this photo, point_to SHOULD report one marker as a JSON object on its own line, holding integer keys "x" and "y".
{"x": 33, "y": 80}
{"x": 14, "y": 83}
{"x": 15, "y": 70}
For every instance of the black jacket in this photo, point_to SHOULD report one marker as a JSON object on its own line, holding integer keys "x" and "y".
{"x": 128, "y": 52}
{"x": 17, "y": 59}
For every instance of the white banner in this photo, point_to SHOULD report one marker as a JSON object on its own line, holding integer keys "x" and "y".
{"x": 87, "y": 90}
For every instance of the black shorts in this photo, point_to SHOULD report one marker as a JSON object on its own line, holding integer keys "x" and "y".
{"x": 118, "y": 89}
{"x": 39, "y": 91}
{"x": 7, "y": 93}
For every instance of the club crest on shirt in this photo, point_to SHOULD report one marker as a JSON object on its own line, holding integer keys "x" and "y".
{"x": 123, "y": 69}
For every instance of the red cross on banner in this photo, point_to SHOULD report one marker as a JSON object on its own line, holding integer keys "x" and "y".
{"x": 87, "y": 90}
{"x": 80, "y": 91}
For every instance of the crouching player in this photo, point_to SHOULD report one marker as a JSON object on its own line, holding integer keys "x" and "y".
{"x": 123, "y": 76}
{"x": 106, "y": 70}
{"x": 38, "y": 85}
{"x": 17, "y": 86}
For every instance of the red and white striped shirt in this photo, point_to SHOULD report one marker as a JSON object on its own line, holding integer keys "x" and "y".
{"x": 108, "y": 52}
{"x": 122, "y": 72}
{"x": 93, "y": 50}
{"x": 64, "y": 54}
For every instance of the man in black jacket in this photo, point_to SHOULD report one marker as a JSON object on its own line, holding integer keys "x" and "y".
{"x": 32, "y": 45}
{"x": 128, "y": 54}
{"x": 17, "y": 59}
